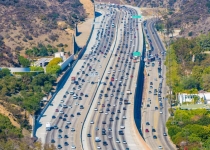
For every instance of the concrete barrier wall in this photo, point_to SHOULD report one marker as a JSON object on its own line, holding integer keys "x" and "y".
{"x": 85, "y": 47}
{"x": 66, "y": 63}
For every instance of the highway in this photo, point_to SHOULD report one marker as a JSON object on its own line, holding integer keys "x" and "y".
{"x": 155, "y": 108}
{"x": 109, "y": 112}
{"x": 67, "y": 122}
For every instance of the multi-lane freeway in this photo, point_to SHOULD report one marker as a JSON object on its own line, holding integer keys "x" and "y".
{"x": 95, "y": 107}
{"x": 109, "y": 121}
{"x": 155, "y": 109}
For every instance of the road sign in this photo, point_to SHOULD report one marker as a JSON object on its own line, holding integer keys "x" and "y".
{"x": 137, "y": 16}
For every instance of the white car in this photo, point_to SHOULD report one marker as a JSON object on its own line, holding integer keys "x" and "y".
{"x": 124, "y": 142}
{"x": 124, "y": 117}
{"x": 116, "y": 79}
{"x": 161, "y": 112}
{"x": 117, "y": 141}
{"x": 73, "y": 147}
{"x": 98, "y": 147}
{"x": 92, "y": 122}
{"x": 96, "y": 109}
{"x": 109, "y": 72}
{"x": 61, "y": 112}
{"x": 68, "y": 122}
{"x": 106, "y": 113}
{"x": 62, "y": 101}
{"x": 72, "y": 129}
{"x": 160, "y": 147}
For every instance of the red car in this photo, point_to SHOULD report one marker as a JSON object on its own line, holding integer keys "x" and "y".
{"x": 56, "y": 110}
{"x": 146, "y": 130}
{"x": 103, "y": 105}
{"x": 131, "y": 76}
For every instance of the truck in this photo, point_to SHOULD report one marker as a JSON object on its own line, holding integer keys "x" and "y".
{"x": 48, "y": 126}
{"x": 73, "y": 79}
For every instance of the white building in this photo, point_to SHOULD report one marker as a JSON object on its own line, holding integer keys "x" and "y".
{"x": 183, "y": 97}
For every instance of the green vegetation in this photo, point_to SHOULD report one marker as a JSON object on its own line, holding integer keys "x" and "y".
{"x": 190, "y": 129}
{"x": 53, "y": 67}
{"x": 188, "y": 64}
{"x": 41, "y": 50}
{"x": 159, "y": 26}
{"x": 35, "y": 68}
{"x": 24, "y": 61}
{"x": 26, "y": 91}
{"x": 7, "y": 129}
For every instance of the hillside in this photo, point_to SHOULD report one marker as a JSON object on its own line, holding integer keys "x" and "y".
{"x": 24, "y": 24}
{"x": 192, "y": 17}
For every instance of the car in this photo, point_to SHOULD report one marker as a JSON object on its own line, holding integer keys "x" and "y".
{"x": 117, "y": 141}
{"x": 52, "y": 141}
{"x": 156, "y": 108}
{"x": 124, "y": 117}
{"x": 164, "y": 134}
{"x": 109, "y": 129}
{"x": 153, "y": 130}
{"x": 118, "y": 111}
{"x": 78, "y": 113}
{"x": 146, "y": 130}
{"x": 124, "y": 108}
{"x": 56, "y": 110}
{"x": 73, "y": 147}
{"x": 105, "y": 143}
{"x": 95, "y": 109}
{"x": 53, "y": 117}
{"x": 66, "y": 143}
{"x": 103, "y": 122}
{"x": 66, "y": 136}
{"x": 55, "y": 127}
{"x": 59, "y": 146}
{"x": 98, "y": 147}
{"x": 148, "y": 105}
{"x": 72, "y": 129}
{"x": 64, "y": 119}
{"x": 59, "y": 136}
{"x": 117, "y": 118}
{"x": 60, "y": 130}
{"x": 92, "y": 122}
{"x": 161, "y": 112}
{"x": 147, "y": 123}
{"x": 88, "y": 135}
{"x": 154, "y": 137}
{"x": 124, "y": 142}
{"x": 72, "y": 115}
{"x": 160, "y": 147}
{"x": 65, "y": 115}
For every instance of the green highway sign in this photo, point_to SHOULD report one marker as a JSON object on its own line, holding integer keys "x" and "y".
{"x": 137, "y": 16}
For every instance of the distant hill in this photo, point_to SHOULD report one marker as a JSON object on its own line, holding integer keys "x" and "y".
{"x": 25, "y": 23}
{"x": 191, "y": 16}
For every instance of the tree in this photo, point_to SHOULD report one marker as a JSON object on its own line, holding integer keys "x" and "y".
{"x": 4, "y": 72}
{"x": 24, "y": 61}
{"x": 196, "y": 99}
{"x": 55, "y": 61}
{"x": 55, "y": 69}
{"x": 206, "y": 81}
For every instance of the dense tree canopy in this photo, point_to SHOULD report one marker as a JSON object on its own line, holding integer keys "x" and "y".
{"x": 188, "y": 64}
{"x": 191, "y": 126}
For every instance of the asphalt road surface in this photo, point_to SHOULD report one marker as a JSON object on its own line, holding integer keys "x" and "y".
{"x": 155, "y": 109}
{"x": 109, "y": 112}
{"x": 88, "y": 72}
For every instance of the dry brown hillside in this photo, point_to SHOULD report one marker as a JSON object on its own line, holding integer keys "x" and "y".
{"x": 25, "y": 23}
